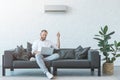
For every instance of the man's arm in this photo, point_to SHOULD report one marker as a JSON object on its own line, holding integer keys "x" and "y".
{"x": 58, "y": 40}
{"x": 36, "y": 52}
{"x": 34, "y": 48}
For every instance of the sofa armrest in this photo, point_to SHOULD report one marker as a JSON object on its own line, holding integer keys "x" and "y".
{"x": 8, "y": 59}
{"x": 94, "y": 58}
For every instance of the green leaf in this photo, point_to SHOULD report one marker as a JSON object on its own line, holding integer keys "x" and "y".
{"x": 101, "y": 33}
{"x": 111, "y": 33}
{"x": 98, "y": 39}
{"x": 105, "y": 29}
{"x": 115, "y": 43}
{"x": 102, "y": 29}
{"x": 113, "y": 54}
{"x": 118, "y": 44}
{"x": 117, "y": 55}
{"x": 112, "y": 49}
{"x": 113, "y": 59}
{"x": 107, "y": 37}
{"x": 101, "y": 43}
{"x": 97, "y": 35}
{"x": 105, "y": 54}
{"x": 101, "y": 49}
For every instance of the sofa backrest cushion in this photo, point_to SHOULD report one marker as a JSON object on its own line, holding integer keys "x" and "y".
{"x": 81, "y": 53}
{"x": 67, "y": 53}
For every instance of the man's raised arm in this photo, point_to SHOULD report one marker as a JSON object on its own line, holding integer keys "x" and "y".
{"x": 58, "y": 40}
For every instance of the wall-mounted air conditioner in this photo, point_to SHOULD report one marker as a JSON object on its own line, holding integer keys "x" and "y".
{"x": 55, "y": 8}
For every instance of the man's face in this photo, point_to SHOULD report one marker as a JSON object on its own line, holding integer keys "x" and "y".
{"x": 43, "y": 36}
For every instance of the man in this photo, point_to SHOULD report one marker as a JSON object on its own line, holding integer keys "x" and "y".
{"x": 36, "y": 50}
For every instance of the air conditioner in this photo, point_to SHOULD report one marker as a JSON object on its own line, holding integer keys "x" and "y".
{"x": 55, "y": 8}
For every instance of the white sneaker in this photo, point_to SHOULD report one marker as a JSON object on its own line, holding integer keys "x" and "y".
{"x": 32, "y": 59}
{"x": 49, "y": 75}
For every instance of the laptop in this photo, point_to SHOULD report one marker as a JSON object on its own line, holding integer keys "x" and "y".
{"x": 47, "y": 51}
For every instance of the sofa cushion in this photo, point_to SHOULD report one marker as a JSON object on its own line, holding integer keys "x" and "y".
{"x": 67, "y": 53}
{"x": 71, "y": 63}
{"x": 81, "y": 53}
{"x": 28, "y": 64}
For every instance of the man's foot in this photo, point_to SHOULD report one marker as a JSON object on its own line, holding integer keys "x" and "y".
{"x": 49, "y": 75}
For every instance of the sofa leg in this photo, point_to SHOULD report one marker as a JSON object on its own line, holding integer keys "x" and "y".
{"x": 11, "y": 69}
{"x": 99, "y": 68}
{"x": 3, "y": 71}
{"x": 54, "y": 71}
{"x": 3, "y": 68}
{"x": 92, "y": 71}
{"x": 99, "y": 71}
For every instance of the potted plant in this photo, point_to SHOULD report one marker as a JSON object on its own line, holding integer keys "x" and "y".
{"x": 109, "y": 50}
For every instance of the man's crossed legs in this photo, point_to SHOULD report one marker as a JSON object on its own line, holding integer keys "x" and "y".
{"x": 40, "y": 61}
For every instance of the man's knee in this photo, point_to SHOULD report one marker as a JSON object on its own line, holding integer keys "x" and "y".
{"x": 52, "y": 57}
{"x": 38, "y": 55}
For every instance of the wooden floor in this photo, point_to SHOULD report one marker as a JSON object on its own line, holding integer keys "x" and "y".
{"x": 63, "y": 74}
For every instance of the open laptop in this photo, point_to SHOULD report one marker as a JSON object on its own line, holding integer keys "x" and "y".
{"x": 47, "y": 51}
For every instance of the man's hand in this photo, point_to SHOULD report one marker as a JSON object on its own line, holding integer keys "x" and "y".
{"x": 36, "y": 52}
{"x": 58, "y": 40}
{"x": 58, "y": 35}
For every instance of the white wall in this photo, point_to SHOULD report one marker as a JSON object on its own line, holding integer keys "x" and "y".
{"x": 22, "y": 20}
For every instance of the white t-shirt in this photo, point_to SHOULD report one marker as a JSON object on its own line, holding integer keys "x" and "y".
{"x": 38, "y": 44}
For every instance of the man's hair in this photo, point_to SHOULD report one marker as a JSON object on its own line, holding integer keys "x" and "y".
{"x": 43, "y": 31}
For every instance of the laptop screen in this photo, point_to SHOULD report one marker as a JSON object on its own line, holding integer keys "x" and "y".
{"x": 47, "y": 51}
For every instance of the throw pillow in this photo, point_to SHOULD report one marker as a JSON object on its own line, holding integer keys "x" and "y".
{"x": 20, "y": 53}
{"x": 24, "y": 56}
{"x": 56, "y": 50}
{"x": 82, "y": 54}
{"x": 29, "y": 49}
{"x": 17, "y": 52}
{"x": 67, "y": 54}
{"x": 79, "y": 48}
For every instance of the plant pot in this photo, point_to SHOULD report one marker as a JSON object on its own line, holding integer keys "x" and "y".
{"x": 108, "y": 68}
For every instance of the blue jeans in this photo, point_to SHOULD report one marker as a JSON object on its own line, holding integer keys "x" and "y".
{"x": 40, "y": 60}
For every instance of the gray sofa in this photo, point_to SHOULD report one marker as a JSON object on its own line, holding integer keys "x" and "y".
{"x": 92, "y": 62}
